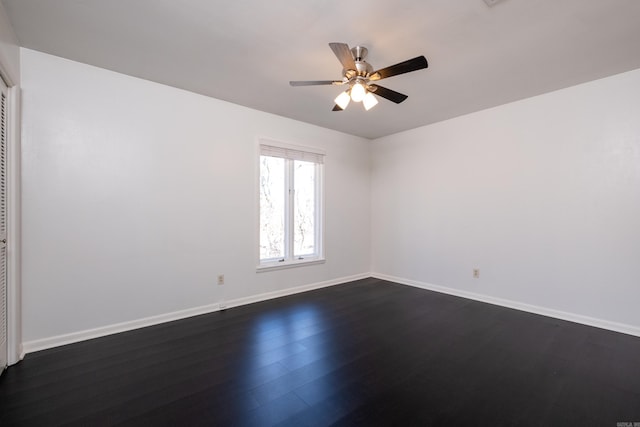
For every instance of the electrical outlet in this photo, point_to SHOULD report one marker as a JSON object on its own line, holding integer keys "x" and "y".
{"x": 476, "y": 273}
{"x": 220, "y": 279}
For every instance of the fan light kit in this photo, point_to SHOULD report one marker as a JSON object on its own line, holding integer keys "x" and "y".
{"x": 358, "y": 75}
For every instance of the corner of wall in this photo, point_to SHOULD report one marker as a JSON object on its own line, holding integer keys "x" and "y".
{"x": 9, "y": 50}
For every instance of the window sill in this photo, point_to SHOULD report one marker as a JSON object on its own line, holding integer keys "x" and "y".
{"x": 289, "y": 264}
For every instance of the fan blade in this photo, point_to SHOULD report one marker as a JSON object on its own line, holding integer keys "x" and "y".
{"x": 337, "y": 108}
{"x": 343, "y": 53}
{"x": 407, "y": 66}
{"x": 316, "y": 82}
{"x": 389, "y": 94}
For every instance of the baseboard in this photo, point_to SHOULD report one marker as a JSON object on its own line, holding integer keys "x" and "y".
{"x": 87, "y": 334}
{"x": 572, "y": 317}
{"x": 290, "y": 291}
{"x": 59, "y": 340}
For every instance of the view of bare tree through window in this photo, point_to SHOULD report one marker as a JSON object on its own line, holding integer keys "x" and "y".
{"x": 272, "y": 207}
{"x": 290, "y": 206}
{"x": 304, "y": 208}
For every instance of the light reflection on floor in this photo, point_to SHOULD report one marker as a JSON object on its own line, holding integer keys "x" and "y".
{"x": 283, "y": 336}
{"x": 287, "y": 349}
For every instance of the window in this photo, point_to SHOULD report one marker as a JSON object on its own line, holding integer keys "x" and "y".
{"x": 290, "y": 206}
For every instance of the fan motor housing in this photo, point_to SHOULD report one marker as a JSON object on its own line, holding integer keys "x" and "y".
{"x": 363, "y": 68}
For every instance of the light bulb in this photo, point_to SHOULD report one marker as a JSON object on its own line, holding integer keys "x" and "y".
{"x": 358, "y": 92}
{"x": 342, "y": 100}
{"x": 369, "y": 101}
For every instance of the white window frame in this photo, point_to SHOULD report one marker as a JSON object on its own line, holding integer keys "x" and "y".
{"x": 290, "y": 261}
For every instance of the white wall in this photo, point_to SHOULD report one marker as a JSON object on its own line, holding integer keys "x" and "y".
{"x": 136, "y": 195}
{"x": 543, "y": 195}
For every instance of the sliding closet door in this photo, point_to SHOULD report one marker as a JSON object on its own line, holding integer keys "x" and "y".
{"x": 3, "y": 225}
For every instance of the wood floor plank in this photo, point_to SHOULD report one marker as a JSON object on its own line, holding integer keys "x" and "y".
{"x": 369, "y": 352}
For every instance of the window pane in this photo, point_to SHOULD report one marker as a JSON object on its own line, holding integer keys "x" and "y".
{"x": 304, "y": 208}
{"x": 272, "y": 207}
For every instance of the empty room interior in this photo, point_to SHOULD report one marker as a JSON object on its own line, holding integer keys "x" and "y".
{"x": 320, "y": 213}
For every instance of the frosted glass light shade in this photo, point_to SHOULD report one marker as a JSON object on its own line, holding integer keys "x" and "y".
{"x": 342, "y": 100}
{"x": 358, "y": 92}
{"x": 369, "y": 101}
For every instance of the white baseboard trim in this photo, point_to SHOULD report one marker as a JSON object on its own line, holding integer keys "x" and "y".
{"x": 549, "y": 312}
{"x": 87, "y": 334}
{"x": 290, "y": 291}
{"x": 59, "y": 340}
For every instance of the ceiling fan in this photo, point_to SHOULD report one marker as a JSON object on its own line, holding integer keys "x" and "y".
{"x": 358, "y": 74}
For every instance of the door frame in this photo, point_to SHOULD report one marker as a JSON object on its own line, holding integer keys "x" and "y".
{"x": 15, "y": 351}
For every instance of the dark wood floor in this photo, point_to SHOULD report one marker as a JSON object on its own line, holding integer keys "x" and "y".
{"x": 364, "y": 353}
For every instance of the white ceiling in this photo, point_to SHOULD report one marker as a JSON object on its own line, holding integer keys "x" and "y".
{"x": 246, "y": 51}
